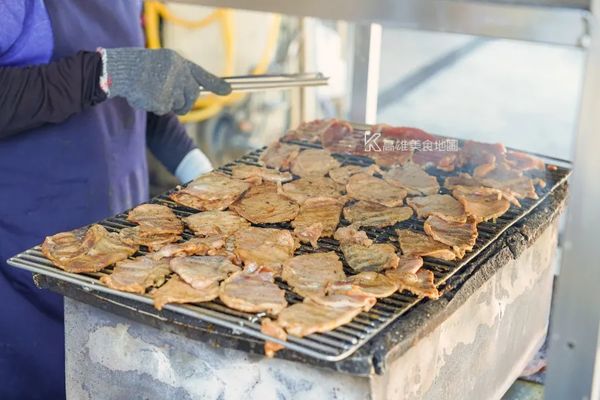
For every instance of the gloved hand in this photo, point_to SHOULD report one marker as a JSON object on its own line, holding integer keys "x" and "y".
{"x": 158, "y": 81}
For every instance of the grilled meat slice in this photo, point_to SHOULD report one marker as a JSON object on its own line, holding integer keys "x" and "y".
{"x": 194, "y": 246}
{"x": 442, "y": 205}
{"x": 177, "y": 291}
{"x": 442, "y": 160}
{"x": 203, "y": 271}
{"x": 341, "y": 175}
{"x": 156, "y": 218}
{"x": 482, "y": 205}
{"x": 252, "y": 291}
{"x": 280, "y": 155}
{"x": 520, "y": 188}
{"x": 264, "y": 247}
{"x": 418, "y": 244}
{"x": 351, "y": 235}
{"x": 375, "y": 257}
{"x": 250, "y": 172}
{"x": 365, "y": 213}
{"x": 302, "y": 319}
{"x": 390, "y": 159}
{"x": 138, "y": 236}
{"x": 309, "y": 131}
{"x": 266, "y": 208}
{"x": 271, "y": 328}
{"x": 318, "y": 217}
{"x": 477, "y": 153}
{"x": 339, "y": 137}
{"x": 211, "y": 223}
{"x": 413, "y": 179}
{"x": 158, "y": 226}
{"x": 305, "y": 188}
{"x": 369, "y": 188}
{"x": 366, "y": 283}
{"x": 466, "y": 182}
{"x": 419, "y": 283}
{"x": 137, "y": 275}
{"x": 524, "y": 162}
{"x": 313, "y": 163}
{"x": 212, "y": 191}
{"x": 346, "y": 299}
{"x": 90, "y": 252}
{"x": 460, "y": 236}
{"x": 309, "y": 274}
{"x": 409, "y": 263}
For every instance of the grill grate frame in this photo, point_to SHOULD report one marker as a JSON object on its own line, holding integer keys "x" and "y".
{"x": 331, "y": 346}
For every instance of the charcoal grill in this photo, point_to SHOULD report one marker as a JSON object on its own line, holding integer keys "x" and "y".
{"x": 331, "y": 346}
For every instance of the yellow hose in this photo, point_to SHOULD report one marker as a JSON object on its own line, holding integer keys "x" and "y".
{"x": 210, "y": 105}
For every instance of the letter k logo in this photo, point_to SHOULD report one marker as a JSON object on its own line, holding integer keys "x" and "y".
{"x": 371, "y": 141}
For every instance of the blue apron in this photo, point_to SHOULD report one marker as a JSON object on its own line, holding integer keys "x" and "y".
{"x": 59, "y": 177}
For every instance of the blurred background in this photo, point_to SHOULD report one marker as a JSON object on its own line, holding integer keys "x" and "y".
{"x": 520, "y": 93}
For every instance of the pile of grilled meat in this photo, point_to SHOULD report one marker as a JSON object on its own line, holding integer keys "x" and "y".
{"x": 236, "y": 256}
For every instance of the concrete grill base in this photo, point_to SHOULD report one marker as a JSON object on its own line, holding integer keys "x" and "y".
{"x": 474, "y": 352}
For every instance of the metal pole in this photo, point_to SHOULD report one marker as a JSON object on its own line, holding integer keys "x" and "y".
{"x": 365, "y": 73}
{"x": 573, "y": 365}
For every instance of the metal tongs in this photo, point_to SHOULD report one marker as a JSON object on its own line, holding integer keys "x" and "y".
{"x": 255, "y": 83}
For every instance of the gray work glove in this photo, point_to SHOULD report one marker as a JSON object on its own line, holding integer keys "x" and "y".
{"x": 158, "y": 81}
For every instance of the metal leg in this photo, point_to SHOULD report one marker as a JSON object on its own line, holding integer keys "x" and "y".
{"x": 573, "y": 367}
{"x": 365, "y": 73}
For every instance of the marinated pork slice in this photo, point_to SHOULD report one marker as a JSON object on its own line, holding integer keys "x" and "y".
{"x": 305, "y": 188}
{"x": 309, "y": 274}
{"x": 249, "y": 172}
{"x": 138, "y": 236}
{"x": 313, "y": 163}
{"x": 409, "y": 263}
{"x": 413, "y": 179}
{"x": 524, "y": 162}
{"x": 202, "y": 271}
{"x": 442, "y": 160}
{"x": 266, "y": 208}
{"x": 365, "y": 213}
{"x": 482, "y": 205}
{"x": 280, "y": 155}
{"x": 137, "y": 275}
{"x": 340, "y": 137}
{"x": 477, "y": 153}
{"x": 194, "y": 246}
{"x": 390, "y": 159}
{"x": 177, "y": 291}
{"x": 520, "y": 188}
{"x": 369, "y": 188}
{"x": 252, "y": 292}
{"x": 347, "y": 299}
{"x": 310, "y": 131}
{"x": 460, "y": 236}
{"x": 351, "y": 235}
{"x": 376, "y": 257}
{"x": 419, "y": 283}
{"x": 264, "y": 247}
{"x": 90, "y": 252}
{"x": 418, "y": 244}
{"x": 467, "y": 182}
{"x": 213, "y": 191}
{"x": 366, "y": 283}
{"x": 318, "y": 217}
{"x": 211, "y": 223}
{"x": 271, "y": 328}
{"x": 442, "y": 205}
{"x": 341, "y": 175}
{"x": 302, "y": 319}
{"x": 156, "y": 218}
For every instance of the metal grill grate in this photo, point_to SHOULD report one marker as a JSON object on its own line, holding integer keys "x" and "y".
{"x": 331, "y": 346}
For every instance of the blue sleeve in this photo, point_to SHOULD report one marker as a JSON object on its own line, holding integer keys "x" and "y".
{"x": 13, "y": 19}
{"x": 167, "y": 140}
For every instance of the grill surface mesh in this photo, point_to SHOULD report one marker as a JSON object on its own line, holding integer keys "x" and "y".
{"x": 330, "y": 346}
